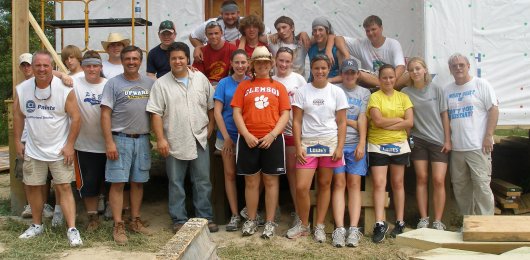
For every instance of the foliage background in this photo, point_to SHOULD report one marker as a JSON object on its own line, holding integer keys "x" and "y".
{"x": 6, "y": 41}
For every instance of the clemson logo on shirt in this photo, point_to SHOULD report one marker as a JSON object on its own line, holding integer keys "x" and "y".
{"x": 261, "y": 102}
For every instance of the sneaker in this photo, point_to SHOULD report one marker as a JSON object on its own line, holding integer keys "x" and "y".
{"x": 212, "y": 227}
{"x": 320, "y": 234}
{"x": 298, "y": 230}
{"x": 424, "y": 223}
{"x": 47, "y": 211}
{"x": 339, "y": 237}
{"x": 259, "y": 219}
{"x": 74, "y": 237}
{"x": 379, "y": 232}
{"x": 118, "y": 233}
{"x": 137, "y": 226}
{"x": 354, "y": 236}
{"x": 32, "y": 231}
{"x": 296, "y": 218}
{"x": 399, "y": 228}
{"x": 233, "y": 225}
{"x": 438, "y": 225}
{"x": 93, "y": 222}
{"x": 249, "y": 227}
{"x": 26, "y": 213}
{"x": 177, "y": 227}
{"x": 268, "y": 231}
{"x": 108, "y": 212}
{"x": 101, "y": 203}
{"x": 58, "y": 218}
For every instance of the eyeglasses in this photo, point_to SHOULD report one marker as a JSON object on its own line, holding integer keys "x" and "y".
{"x": 285, "y": 49}
{"x": 35, "y": 91}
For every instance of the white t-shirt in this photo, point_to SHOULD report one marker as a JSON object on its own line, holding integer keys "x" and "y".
{"x": 320, "y": 106}
{"x": 80, "y": 74}
{"x": 291, "y": 83}
{"x": 372, "y": 58}
{"x": 111, "y": 70}
{"x": 47, "y": 122}
{"x": 90, "y": 138}
{"x": 467, "y": 106}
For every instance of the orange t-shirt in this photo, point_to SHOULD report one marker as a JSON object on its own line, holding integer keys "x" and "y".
{"x": 261, "y": 102}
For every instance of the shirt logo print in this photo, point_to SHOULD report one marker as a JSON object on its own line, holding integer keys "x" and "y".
{"x": 261, "y": 102}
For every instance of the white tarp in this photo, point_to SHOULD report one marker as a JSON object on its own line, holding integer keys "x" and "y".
{"x": 346, "y": 18}
{"x": 494, "y": 34}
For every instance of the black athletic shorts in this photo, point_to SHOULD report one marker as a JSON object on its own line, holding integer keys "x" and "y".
{"x": 89, "y": 172}
{"x": 250, "y": 161}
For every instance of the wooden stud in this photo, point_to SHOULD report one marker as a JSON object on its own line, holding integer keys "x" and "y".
{"x": 496, "y": 228}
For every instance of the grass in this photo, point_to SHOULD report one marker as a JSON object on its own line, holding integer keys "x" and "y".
{"x": 512, "y": 132}
{"x": 54, "y": 241}
{"x": 5, "y": 207}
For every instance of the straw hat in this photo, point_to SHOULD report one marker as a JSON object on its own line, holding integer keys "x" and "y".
{"x": 261, "y": 53}
{"x": 115, "y": 37}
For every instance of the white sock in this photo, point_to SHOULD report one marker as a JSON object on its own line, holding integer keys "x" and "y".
{"x": 37, "y": 225}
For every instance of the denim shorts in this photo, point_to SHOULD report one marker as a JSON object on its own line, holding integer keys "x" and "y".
{"x": 353, "y": 166}
{"x": 134, "y": 160}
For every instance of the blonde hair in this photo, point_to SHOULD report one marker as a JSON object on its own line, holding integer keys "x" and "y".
{"x": 427, "y": 77}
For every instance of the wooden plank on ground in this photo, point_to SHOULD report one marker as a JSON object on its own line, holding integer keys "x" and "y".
{"x": 519, "y": 251}
{"x": 192, "y": 241}
{"x": 503, "y": 187}
{"x": 427, "y": 239}
{"x": 449, "y": 254}
{"x": 496, "y": 228}
{"x": 504, "y": 203}
{"x": 524, "y": 204}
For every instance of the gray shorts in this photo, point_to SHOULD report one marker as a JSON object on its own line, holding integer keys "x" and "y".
{"x": 426, "y": 151}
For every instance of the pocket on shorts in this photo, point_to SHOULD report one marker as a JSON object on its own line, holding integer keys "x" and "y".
{"x": 118, "y": 163}
{"x": 145, "y": 155}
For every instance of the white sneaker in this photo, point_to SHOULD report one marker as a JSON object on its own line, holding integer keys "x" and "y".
{"x": 47, "y": 211}
{"x": 320, "y": 234}
{"x": 423, "y": 223}
{"x": 26, "y": 213}
{"x": 58, "y": 218}
{"x": 438, "y": 225}
{"x": 74, "y": 237}
{"x": 249, "y": 227}
{"x": 269, "y": 230}
{"x": 32, "y": 231}
{"x": 338, "y": 237}
{"x": 298, "y": 230}
{"x": 296, "y": 218}
{"x": 101, "y": 203}
{"x": 259, "y": 219}
{"x": 354, "y": 235}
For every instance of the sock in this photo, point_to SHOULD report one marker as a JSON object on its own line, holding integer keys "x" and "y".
{"x": 71, "y": 229}
{"x": 380, "y": 222}
{"x": 37, "y": 225}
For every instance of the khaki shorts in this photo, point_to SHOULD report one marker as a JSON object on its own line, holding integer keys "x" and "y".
{"x": 36, "y": 171}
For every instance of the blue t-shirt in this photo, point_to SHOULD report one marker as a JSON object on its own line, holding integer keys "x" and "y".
{"x": 313, "y": 51}
{"x": 224, "y": 92}
{"x": 158, "y": 61}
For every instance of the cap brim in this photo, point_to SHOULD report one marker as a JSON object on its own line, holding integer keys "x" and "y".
{"x": 166, "y": 30}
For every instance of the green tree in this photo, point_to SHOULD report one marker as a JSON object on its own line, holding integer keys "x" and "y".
{"x": 6, "y": 41}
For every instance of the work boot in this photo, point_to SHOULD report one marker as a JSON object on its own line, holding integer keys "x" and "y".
{"x": 137, "y": 226}
{"x": 119, "y": 233}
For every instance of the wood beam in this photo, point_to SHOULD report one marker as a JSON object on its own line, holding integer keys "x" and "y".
{"x": 46, "y": 43}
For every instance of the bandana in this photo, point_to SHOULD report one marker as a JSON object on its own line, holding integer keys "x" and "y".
{"x": 229, "y": 8}
{"x": 91, "y": 61}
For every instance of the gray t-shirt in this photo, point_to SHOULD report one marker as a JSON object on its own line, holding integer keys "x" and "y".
{"x": 358, "y": 101}
{"x": 128, "y": 99}
{"x": 428, "y": 104}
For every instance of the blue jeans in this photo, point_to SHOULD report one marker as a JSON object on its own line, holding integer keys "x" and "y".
{"x": 201, "y": 186}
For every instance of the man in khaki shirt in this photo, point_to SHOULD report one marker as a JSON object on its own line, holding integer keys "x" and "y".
{"x": 181, "y": 107}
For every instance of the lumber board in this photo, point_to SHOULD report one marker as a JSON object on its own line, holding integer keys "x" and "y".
{"x": 496, "y": 228}
{"x": 449, "y": 254}
{"x": 427, "y": 239}
{"x": 524, "y": 204}
{"x": 504, "y": 186}
{"x": 519, "y": 251}
{"x": 192, "y": 241}
{"x": 504, "y": 203}
{"x": 498, "y": 211}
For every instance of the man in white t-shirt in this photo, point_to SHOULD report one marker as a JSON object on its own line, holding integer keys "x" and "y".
{"x": 113, "y": 46}
{"x": 375, "y": 50}
{"x": 473, "y": 112}
{"x": 52, "y": 118}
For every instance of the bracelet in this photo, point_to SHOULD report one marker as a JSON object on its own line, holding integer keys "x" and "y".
{"x": 272, "y": 135}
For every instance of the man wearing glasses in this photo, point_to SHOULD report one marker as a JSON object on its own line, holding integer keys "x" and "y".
{"x": 473, "y": 112}
{"x": 53, "y": 122}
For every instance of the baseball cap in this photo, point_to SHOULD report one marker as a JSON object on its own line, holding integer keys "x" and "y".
{"x": 25, "y": 57}
{"x": 166, "y": 26}
{"x": 349, "y": 64}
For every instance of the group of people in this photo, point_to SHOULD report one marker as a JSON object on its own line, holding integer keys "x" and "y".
{"x": 250, "y": 85}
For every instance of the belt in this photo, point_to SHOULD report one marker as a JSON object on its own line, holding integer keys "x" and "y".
{"x": 127, "y": 135}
